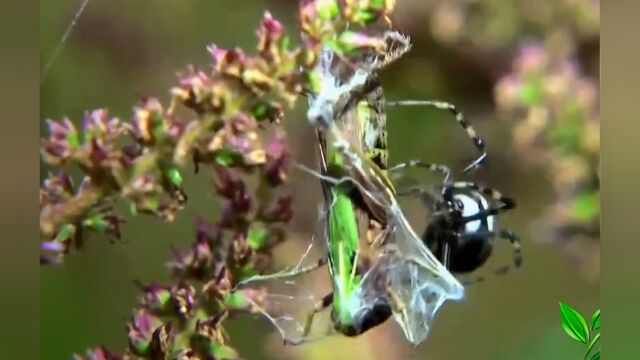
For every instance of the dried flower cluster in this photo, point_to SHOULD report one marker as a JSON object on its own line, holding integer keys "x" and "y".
{"x": 140, "y": 161}
{"x": 559, "y": 129}
{"x": 237, "y": 105}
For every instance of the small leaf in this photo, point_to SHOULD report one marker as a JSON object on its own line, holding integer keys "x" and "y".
{"x": 173, "y": 174}
{"x": 327, "y": 9}
{"x": 158, "y": 127}
{"x": 226, "y": 157}
{"x": 592, "y": 343}
{"x": 236, "y": 300}
{"x": 133, "y": 208}
{"x": 531, "y": 92}
{"x": 72, "y": 139}
{"x": 223, "y": 352}
{"x": 96, "y": 222}
{"x": 285, "y": 42}
{"x": 315, "y": 81}
{"x": 257, "y": 236}
{"x": 67, "y": 231}
{"x": 596, "y": 355}
{"x": 573, "y": 323}
{"x": 586, "y": 206}
{"x": 139, "y": 346}
{"x": 364, "y": 16}
{"x": 595, "y": 320}
{"x": 261, "y": 110}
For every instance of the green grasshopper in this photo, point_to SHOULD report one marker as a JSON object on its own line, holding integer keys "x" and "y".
{"x": 359, "y": 111}
{"x": 393, "y": 272}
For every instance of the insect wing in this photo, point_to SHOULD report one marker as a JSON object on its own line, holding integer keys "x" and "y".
{"x": 418, "y": 279}
{"x": 286, "y": 298}
{"x": 284, "y": 305}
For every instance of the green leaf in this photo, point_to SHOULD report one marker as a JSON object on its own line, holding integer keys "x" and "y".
{"x": 226, "y": 157}
{"x": 173, "y": 174}
{"x": 595, "y": 320}
{"x": 223, "y": 352}
{"x": 158, "y": 128}
{"x": 257, "y": 236}
{"x": 285, "y": 42}
{"x": 133, "y": 208}
{"x": 364, "y": 16}
{"x": 591, "y": 344}
{"x": 596, "y": 355}
{"x": 260, "y": 111}
{"x": 586, "y": 206}
{"x": 327, "y": 9}
{"x": 236, "y": 300}
{"x": 315, "y": 81}
{"x": 140, "y": 347}
{"x": 531, "y": 92}
{"x": 573, "y": 323}
{"x": 566, "y": 134}
{"x": 66, "y": 232}
{"x": 72, "y": 139}
{"x": 96, "y": 222}
{"x": 247, "y": 271}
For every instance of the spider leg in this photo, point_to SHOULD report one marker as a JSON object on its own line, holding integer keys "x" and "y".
{"x": 514, "y": 240}
{"x": 471, "y": 133}
{"x": 444, "y": 170}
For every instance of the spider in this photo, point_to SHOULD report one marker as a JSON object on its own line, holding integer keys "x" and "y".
{"x": 463, "y": 228}
{"x": 463, "y": 223}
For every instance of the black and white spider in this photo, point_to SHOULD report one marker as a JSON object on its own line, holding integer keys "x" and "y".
{"x": 463, "y": 226}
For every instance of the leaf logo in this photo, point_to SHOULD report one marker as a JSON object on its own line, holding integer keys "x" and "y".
{"x": 576, "y": 327}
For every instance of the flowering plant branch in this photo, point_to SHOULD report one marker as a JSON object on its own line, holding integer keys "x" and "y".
{"x": 558, "y": 127}
{"x": 140, "y": 161}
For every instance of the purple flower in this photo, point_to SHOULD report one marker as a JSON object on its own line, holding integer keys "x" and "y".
{"x": 207, "y": 232}
{"x": 155, "y": 297}
{"x": 100, "y": 353}
{"x": 228, "y": 61}
{"x": 269, "y": 35}
{"x": 275, "y": 171}
{"x": 140, "y": 330}
{"x": 279, "y": 210}
{"x": 51, "y": 252}
{"x": 532, "y": 58}
{"x": 62, "y": 141}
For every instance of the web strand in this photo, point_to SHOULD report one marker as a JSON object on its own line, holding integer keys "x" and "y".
{"x": 63, "y": 40}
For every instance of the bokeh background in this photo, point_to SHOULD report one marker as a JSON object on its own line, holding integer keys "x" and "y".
{"x": 524, "y": 72}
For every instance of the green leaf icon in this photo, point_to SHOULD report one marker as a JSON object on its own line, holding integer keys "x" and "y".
{"x": 596, "y": 355}
{"x": 573, "y": 323}
{"x": 595, "y": 320}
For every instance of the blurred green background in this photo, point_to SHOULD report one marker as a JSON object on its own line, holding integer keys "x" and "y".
{"x": 120, "y": 50}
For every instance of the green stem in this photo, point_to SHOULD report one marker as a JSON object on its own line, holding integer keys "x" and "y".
{"x": 592, "y": 343}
